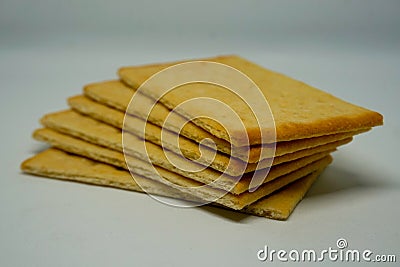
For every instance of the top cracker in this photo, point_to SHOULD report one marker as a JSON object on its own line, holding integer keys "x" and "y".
{"x": 299, "y": 110}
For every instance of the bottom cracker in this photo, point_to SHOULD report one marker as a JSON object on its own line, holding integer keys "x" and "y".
{"x": 55, "y": 163}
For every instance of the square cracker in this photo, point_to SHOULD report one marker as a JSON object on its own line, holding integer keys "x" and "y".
{"x": 278, "y": 177}
{"x": 54, "y": 163}
{"x": 206, "y": 176}
{"x": 185, "y": 146}
{"x": 86, "y": 128}
{"x": 98, "y": 133}
{"x": 299, "y": 110}
{"x": 198, "y": 189}
{"x": 117, "y": 96}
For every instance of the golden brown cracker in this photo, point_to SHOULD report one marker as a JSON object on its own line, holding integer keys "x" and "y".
{"x": 93, "y": 131}
{"x": 55, "y": 163}
{"x": 117, "y": 95}
{"x": 85, "y": 128}
{"x": 299, "y": 110}
{"x": 206, "y": 176}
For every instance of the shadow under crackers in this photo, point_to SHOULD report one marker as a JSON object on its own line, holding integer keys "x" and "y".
{"x": 339, "y": 178}
{"x": 225, "y": 213}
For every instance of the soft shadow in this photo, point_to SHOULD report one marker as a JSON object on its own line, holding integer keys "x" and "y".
{"x": 224, "y": 213}
{"x": 338, "y": 178}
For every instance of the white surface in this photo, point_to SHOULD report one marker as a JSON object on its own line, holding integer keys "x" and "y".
{"x": 49, "y": 50}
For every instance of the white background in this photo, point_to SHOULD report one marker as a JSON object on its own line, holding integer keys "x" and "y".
{"x": 50, "y": 49}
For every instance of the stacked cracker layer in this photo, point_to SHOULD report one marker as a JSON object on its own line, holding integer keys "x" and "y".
{"x": 87, "y": 143}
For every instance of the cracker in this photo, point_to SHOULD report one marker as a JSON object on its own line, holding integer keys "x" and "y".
{"x": 57, "y": 164}
{"x": 86, "y": 128}
{"x": 188, "y": 148}
{"x": 117, "y": 96}
{"x": 207, "y": 176}
{"x": 299, "y": 110}
{"x": 234, "y": 201}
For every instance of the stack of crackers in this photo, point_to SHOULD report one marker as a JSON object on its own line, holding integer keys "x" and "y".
{"x": 99, "y": 140}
